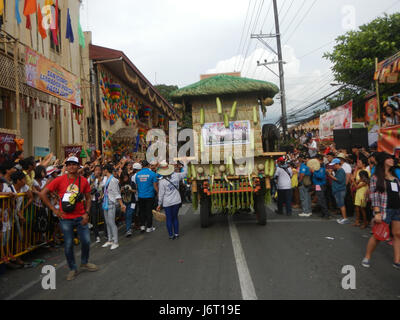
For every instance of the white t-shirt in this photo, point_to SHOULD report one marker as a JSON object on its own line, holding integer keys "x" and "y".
{"x": 284, "y": 180}
{"x": 347, "y": 168}
{"x": 313, "y": 152}
{"x": 37, "y": 202}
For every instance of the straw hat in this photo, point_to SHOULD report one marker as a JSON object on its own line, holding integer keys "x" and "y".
{"x": 165, "y": 169}
{"x": 341, "y": 156}
{"x": 314, "y": 164}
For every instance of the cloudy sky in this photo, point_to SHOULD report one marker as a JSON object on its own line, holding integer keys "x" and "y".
{"x": 174, "y": 41}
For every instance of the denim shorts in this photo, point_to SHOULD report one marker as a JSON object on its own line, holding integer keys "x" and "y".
{"x": 339, "y": 197}
{"x": 392, "y": 215}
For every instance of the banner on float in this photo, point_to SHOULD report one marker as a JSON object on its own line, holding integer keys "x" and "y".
{"x": 215, "y": 134}
{"x": 339, "y": 118}
{"x": 49, "y": 77}
{"x": 389, "y": 140}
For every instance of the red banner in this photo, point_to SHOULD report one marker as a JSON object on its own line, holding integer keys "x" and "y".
{"x": 389, "y": 140}
{"x": 75, "y": 150}
{"x": 7, "y": 145}
{"x": 371, "y": 112}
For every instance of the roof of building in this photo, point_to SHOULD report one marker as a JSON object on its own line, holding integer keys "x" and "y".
{"x": 117, "y": 61}
{"x": 221, "y": 85}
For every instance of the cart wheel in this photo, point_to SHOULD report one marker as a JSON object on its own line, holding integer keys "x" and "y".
{"x": 205, "y": 212}
{"x": 261, "y": 212}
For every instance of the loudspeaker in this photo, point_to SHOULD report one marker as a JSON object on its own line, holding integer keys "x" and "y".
{"x": 347, "y": 138}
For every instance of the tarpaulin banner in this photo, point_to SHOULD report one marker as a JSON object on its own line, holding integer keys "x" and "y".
{"x": 51, "y": 78}
{"x": 389, "y": 140}
{"x": 339, "y": 118}
{"x": 7, "y": 145}
{"x": 215, "y": 134}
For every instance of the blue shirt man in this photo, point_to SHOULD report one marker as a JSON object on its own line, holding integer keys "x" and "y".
{"x": 305, "y": 170}
{"x": 145, "y": 180}
{"x": 319, "y": 177}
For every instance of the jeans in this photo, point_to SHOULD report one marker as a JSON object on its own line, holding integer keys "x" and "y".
{"x": 322, "y": 201}
{"x": 339, "y": 197}
{"x": 305, "y": 199}
{"x": 146, "y": 212}
{"x": 67, "y": 228}
{"x": 172, "y": 220}
{"x": 128, "y": 216}
{"x": 109, "y": 217}
{"x": 285, "y": 196}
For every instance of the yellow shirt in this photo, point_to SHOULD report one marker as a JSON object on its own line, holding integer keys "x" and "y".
{"x": 295, "y": 179}
{"x": 29, "y": 179}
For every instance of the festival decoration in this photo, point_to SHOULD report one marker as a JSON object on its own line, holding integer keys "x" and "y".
{"x": 147, "y": 112}
{"x": 161, "y": 119}
{"x": 118, "y": 103}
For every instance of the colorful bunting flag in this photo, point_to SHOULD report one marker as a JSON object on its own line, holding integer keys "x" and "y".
{"x": 1, "y": 7}
{"x": 54, "y": 24}
{"x": 69, "y": 34}
{"x": 81, "y": 35}
{"x": 28, "y": 22}
{"x": 42, "y": 31}
{"x": 17, "y": 15}
{"x": 29, "y": 7}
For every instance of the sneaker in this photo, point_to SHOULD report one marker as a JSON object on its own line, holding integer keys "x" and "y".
{"x": 172, "y": 238}
{"x": 142, "y": 229}
{"x": 71, "y": 275}
{"x": 343, "y": 221}
{"x": 396, "y": 265}
{"x": 303, "y": 214}
{"x": 177, "y": 236}
{"x": 152, "y": 229}
{"x": 114, "y": 246}
{"x": 129, "y": 234}
{"x": 107, "y": 244}
{"x": 98, "y": 240}
{"x": 365, "y": 263}
{"x": 309, "y": 215}
{"x": 89, "y": 267}
{"x": 90, "y": 226}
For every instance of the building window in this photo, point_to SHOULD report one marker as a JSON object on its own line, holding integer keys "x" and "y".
{"x": 53, "y": 46}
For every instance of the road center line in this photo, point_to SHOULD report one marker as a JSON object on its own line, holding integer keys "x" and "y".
{"x": 246, "y": 283}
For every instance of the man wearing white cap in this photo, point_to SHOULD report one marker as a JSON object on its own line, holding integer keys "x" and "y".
{"x": 72, "y": 190}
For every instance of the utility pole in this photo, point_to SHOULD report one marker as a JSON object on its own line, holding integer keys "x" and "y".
{"x": 280, "y": 62}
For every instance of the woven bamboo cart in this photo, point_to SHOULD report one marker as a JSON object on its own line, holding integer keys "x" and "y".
{"x": 226, "y": 121}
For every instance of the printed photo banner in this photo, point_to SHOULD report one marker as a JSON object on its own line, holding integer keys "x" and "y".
{"x": 339, "y": 118}
{"x": 7, "y": 145}
{"x": 51, "y": 78}
{"x": 215, "y": 134}
{"x": 371, "y": 113}
{"x": 389, "y": 140}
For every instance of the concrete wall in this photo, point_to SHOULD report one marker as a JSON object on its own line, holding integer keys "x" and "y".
{"x": 43, "y": 132}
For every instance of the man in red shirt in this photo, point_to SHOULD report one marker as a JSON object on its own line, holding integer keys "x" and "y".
{"x": 67, "y": 187}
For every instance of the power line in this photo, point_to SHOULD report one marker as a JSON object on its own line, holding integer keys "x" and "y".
{"x": 301, "y": 21}
{"x": 254, "y": 27}
{"x": 241, "y": 38}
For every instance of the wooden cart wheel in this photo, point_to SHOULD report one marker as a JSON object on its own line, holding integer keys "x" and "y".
{"x": 261, "y": 212}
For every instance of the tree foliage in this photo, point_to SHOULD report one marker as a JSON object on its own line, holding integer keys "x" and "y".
{"x": 165, "y": 91}
{"x": 354, "y": 55}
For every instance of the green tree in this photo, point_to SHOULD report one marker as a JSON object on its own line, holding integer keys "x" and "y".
{"x": 354, "y": 55}
{"x": 165, "y": 91}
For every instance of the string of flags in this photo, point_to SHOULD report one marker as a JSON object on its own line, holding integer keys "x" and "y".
{"x": 47, "y": 18}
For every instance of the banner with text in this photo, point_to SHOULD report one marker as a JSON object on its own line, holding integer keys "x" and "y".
{"x": 339, "y": 118}
{"x": 215, "y": 134}
{"x": 51, "y": 78}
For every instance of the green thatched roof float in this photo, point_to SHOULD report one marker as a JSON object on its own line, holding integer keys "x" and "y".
{"x": 225, "y": 85}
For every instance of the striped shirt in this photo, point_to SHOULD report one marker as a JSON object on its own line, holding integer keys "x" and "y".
{"x": 378, "y": 199}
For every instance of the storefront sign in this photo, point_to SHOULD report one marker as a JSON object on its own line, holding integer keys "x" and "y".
{"x": 7, "y": 145}
{"x": 51, "y": 78}
{"x": 340, "y": 118}
{"x": 215, "y": 134}
{"x": 389, "y": 140}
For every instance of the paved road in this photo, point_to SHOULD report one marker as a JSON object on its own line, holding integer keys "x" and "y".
{"x": 234, "y": 259}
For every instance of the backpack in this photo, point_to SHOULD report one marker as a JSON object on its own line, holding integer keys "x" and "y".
{"x": 307, "y": 181}
{"x": 68, "y": 205}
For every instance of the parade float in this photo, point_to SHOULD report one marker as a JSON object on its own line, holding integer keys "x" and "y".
{"x": 226, "y": 113}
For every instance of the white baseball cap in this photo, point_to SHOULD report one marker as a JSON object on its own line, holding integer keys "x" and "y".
{"x": 137, "y": 166}
{"x": 72, "y": 159}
